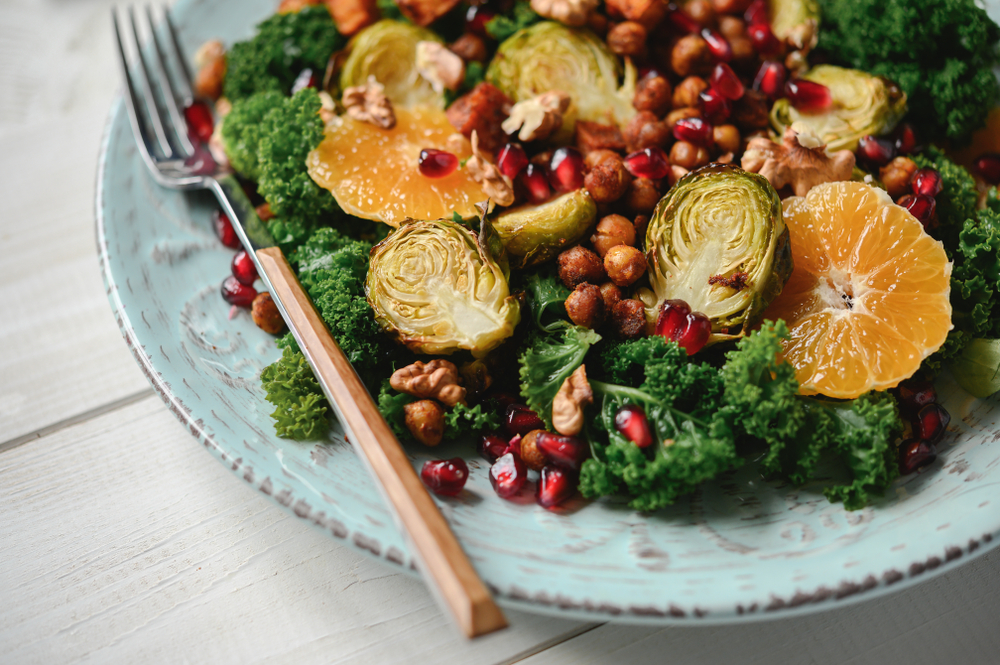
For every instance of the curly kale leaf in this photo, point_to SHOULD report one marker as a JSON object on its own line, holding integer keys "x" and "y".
{"x": 460, "y": 421}
{"x": 546, "y": 298}
{"x": 501, "y": 27}
{"x": 547, "y": 362}
{"x": 941, "y": 52}
{"x": 975, "y": 279}
{"x": 301, "y": 407}
{"x": 241, "y": 131}
{"x": 283, "y": 46}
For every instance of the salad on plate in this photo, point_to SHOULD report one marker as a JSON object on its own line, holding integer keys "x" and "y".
{"x": 628, "y": 246}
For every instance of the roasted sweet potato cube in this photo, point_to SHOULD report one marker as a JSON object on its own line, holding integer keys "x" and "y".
{"x": 352, "y": 15}
{"x": 592, "y": 136}
{"x": 482, "y": 110}
{"x": 425, "y": 12}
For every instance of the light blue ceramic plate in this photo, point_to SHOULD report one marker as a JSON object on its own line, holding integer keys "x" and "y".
{"x": 737, "y": 549}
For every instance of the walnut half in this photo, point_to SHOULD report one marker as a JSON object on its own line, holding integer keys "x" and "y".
{"x": 800, "y": 161}
{"x": 368, "y": 103}
{"x": 537, "y": 117}
{"x": 437, "y": 379}
{"x": 567, "y": 407}
{"x": 496, "y": 185}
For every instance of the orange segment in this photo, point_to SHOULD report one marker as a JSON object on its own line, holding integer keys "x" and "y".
{"x": 868, "y": 298}
{"x": 373, "y": 172}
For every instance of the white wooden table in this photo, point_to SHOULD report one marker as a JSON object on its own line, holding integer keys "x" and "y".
{"x": 123, "y": 541}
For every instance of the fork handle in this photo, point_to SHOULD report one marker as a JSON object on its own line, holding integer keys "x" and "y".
{"x": 436, "y": 548}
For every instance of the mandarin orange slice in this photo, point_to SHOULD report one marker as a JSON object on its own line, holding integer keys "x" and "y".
{"x": 373, "y": 172}
{"x": 868, "y": 297}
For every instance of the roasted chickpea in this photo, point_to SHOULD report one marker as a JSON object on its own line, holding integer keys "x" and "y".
{"x": 687, "y": 91}
{"x": 627, "y": 39}
{"x": 642, "y": 196}
{"x": 726, "y": 137}
{"x": 742, "y": 49}
{"x": 628, "y": 319}
{"x": 750, "y": 112}
{"x": 690, "y": 55}
{"x": 732, "y": 27}
{"x": 608, "y": 181}
{"x": 612, "y": 231}
{"x": 645, "y": 130}
{"x": 653, "y": 94}
{"x": 896, "y": 176}
{"x": 578, "y": 265}
{"x": 676, "y": 173}
{"x": 212, "y": 70}
{"x": 624, "y": 264}
{"x": 701, "y": 11}
{"x": 730, "y": 6}
{"x": 530, "y": 454}
{"x": 264, "y": 212}
{"x": 425, "y": 420}
{"x": 684, "y": 154}
{"x": 677, "y": 114}
{"x": 640, "y": 224}
{"x": 265, "y": 314}
{"x": 470, "y": 47}
{"x": 585, "y": 306}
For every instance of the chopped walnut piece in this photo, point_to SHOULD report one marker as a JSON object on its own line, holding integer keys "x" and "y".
{"x": 352, "y": 15}
{"x": 496, "y": 185}
{"x": 439, "y": 66}
{"x": 368, "y": 103}
{"x": 567, "y": 407}
{"x": 537, "y": 117}
{"x": 437, "y": 379}
{"x": 425, "y": 12}
{"x": 570, "y": 12}
{"x": 792, "y": 162}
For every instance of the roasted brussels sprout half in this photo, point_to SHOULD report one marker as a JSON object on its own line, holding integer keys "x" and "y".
{"x": 788, "y": 15}
{"x": 438, "y": 288}
{"x": 534, "y": 233}
{"x": 550, "y": 56}
{"x": 717, "y": 241}
{"x": 862, "y": 104}
{"x": 387, "y": 50}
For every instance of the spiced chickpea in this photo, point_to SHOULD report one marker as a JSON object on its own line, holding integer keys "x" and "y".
{"x": 684, "y": 154}
{"x": 611, "y": 231}
{"x": 645, "y": 130}
{"x": 425, "y": 420}
{"x": 624, "y": 264}
{"x": 608, "y": 181}
{"x": 701, "y": 11}
{"x": 578, "y": 265}
{"x": 896, "y": 176}
{"x": 730, "y": 6}
{"x": 611, "y": 294}
{"x": 726, "y": 137}
{"x": 470, "y": 47}
{"x": 732, "y": 27}
{"x": 642, "y": 196}
{"x": 598, "y": 24}
{"x": 742, "y": 49}
{"x": 653, "y": 94}
{"x": 595, "y": 157}
{"x": 676, "y": 173}
{"x": 585, "y": 306}
{"x": 677, "y": 114}
{"x": 640, "y": 224}
{"x": 532, "y": 456}
{"x": 628, "y": 319}
{"x": 687, "y": 91}
{"x": 266, "y": 315}
{"x": 691, "y": 55}
{"x": 627, "y": 39}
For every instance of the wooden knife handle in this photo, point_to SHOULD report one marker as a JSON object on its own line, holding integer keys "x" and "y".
{"x": 446, "y": 568}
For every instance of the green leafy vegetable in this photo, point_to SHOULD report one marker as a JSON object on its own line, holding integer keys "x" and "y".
{"x": 957, "y": 200}
{"x": 546, "y": 363}
{"x": 241, "y": 131}
{"x": 546, "y": 298}
{"x": 292, "y": 388}
{"x": 501, "y": 27}
{"x": 460, "y": 421}
{"x": 977, "y": 369}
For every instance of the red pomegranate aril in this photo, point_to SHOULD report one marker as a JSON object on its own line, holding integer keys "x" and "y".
{"x": 237, "y": 294}
{"x": 199, "y": 120}
{"x": 476, "y": 19}
{"x": 915, "y": 394}
{"x": 306, "y": 79}
{"x": 519, "y": 419}
{"x": 906, "y": 139}
{"x": 920, "y": 206}
{"x": 756, "y": 13}
{"x": 763, "y": 39}
{"x": 243, "y": 268}
{"x": 927, "y": 181}
{"x": 507, "y": 475}
{"x": 913, "y": 454}
{"x": 931, "y": 422}
{"x": 555, "y": 486}
{"x": 681, "y": 19}
{"x": 876, "y": 151}
{"x": 651, "y": 163}
{"x": 536, "y": 182}
{"x": 693, "y": 130}
{"x": 808, "y": 96}
{"x": 436, "y": 163}
{"x": 224, "y": 230}
{"x": 988, "y": 168}
{"x": 678, "y": 323}
{"x": 566, "y": 170}
{"x": 512, "y": 160}
{"x": 725, "y": 80}
{"x": 771, "y": 78}
{"x": 501, "y": 400}
{"x": 717, "y": 45}
{"x": 445, "y": 477}
{"x": 492, "y": 446}
{"x": 632, "y": 423}
{"x": 565, "y": 451}
{"x": 714, "y": 106}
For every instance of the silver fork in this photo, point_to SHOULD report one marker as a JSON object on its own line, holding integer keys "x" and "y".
{"x": 178, "y": 160}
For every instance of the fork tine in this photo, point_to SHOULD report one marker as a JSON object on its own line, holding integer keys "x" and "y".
{"x": 167, "y": 88}
{"x": 152, "y": 110}
{"x": 184, "y": 74}
{"x": 139, "y": 129}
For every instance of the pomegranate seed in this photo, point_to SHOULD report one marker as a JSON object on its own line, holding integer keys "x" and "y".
{"x": 920, "y": 206}
{"x": 770, "y": 79}
{"x": 914, "y": 454}
{"x": 566, "y": 170}
{"x": 446, "y": 476}
{"x": 681, "y": 19}
{"x": 502, "y": 400}
{"x": 436, "y": 163}
{"x": 224, "y": 230}
{"x": 906, "y": 139}
{"x": 476, "y": 19}
{"x": 632, "y": 423}
{"x": 507, "y": 475}
{"x": 725, "y": 80}
{"x": 756, "y": 13}
{"x": 565, "y": 451}
{"x": 651, "y": 163}
{"x": 808, "y": 96}
{"x": 492, "y": 446}
{"x": 927, "y": 181}
{"x": 714, "y": 106}
{"x": 519, "y": 419}
{"x": 237, "y": 294}
{"x": 876, "y": 151}
{"x": 931, "y": 422}
{"x": 555, "y": 486}
{"x": 306, "y": 79}
{"x": 693, "y": 130}
{"x": 536, "y": 182}
{"x": 717, "y": 44}
{"x": 243, "y": 268}
{"x": 512, "y": 160}
{"x": 914, "y": 395}
{"x": 988, "y": 168}
{"x": 678, "y": 323}
{"x": 199, "y": 120}
{"x": 763, "y": 39}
